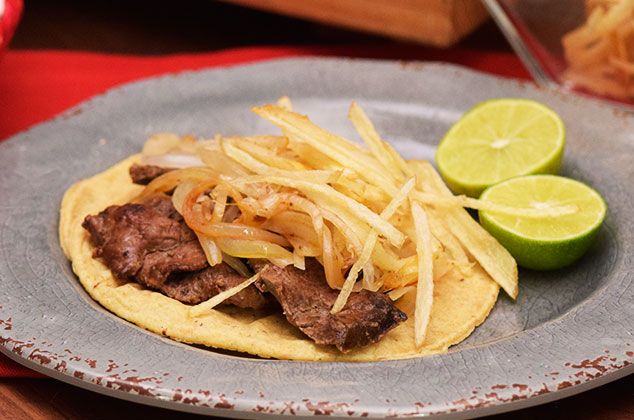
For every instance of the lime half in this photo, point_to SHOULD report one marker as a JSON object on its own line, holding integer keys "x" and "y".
{"x": 500, "y": 139}
{"x": 546, "y": 242}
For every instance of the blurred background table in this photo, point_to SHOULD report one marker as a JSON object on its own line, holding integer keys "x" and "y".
{"x": 155, "y": 28}
{"x": 162, "y": 27}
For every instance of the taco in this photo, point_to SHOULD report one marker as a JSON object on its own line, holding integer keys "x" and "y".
{"x": 282, "y": 247}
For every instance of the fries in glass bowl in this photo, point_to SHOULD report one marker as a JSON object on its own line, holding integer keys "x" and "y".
{"x": 586, "y": 46}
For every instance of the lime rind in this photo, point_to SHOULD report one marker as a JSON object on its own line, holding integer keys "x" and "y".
{"x": 544, "y": 253}
{"x": 531, "y": 254}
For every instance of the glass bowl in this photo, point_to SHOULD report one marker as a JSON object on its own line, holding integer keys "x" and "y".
{"x": 573, "y": 44}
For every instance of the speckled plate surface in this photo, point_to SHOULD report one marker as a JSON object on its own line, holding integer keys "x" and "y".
{"x": 569, "y": 330}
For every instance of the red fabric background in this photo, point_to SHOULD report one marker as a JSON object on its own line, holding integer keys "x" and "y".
{"x": 37, "y": 85}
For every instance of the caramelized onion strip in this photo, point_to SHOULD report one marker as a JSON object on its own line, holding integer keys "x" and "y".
{"x": 169, "y": 180}
{"x": 196, "y": 221}
{"x": 256, "y": 249}
{"x": 332, "y": 264}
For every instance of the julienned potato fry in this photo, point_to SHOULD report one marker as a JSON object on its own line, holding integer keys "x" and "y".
{"x": 373, "y": 219}
{"x": 600, "y": 53}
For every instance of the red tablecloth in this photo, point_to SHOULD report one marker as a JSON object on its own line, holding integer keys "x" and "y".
{"x": 37, "y": 85}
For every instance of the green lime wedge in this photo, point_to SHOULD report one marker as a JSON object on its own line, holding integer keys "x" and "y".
{"x": 500, "y": 139}
{"x": 545, "y": 242}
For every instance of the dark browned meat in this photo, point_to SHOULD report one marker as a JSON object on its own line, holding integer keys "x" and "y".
{"x": 126, "y": 236}
{"x": 150, "y": 243}
{"x": 162, "y": 203}
{"x": 306, "y": 299}
{"x": 209, "y": 282}
{"x": 144, "y": 174}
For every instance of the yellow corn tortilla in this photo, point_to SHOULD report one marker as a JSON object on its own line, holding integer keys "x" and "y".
{"x": 459, "y": 305}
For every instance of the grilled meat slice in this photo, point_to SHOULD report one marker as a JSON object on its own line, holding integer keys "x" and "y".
{"x": 144, "y": 174}
{"x": 201, "y": 285}
{"x": 307, "y": 299}
{"x": 127, "y": 235}
{"x": 150, "y": 243}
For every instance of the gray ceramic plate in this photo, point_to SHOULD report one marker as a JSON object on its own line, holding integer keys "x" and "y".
{"x": 569, "y": 330}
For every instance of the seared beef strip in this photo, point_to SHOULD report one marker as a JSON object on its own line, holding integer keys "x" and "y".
{"x": 162, "y": 203}
{"x": 307, "y": 299}
{"x": 126, "y": 235}
{"x": 150, "y": 243}
{"x": 209, "y": 282}
{"x": 144, "y": 174}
